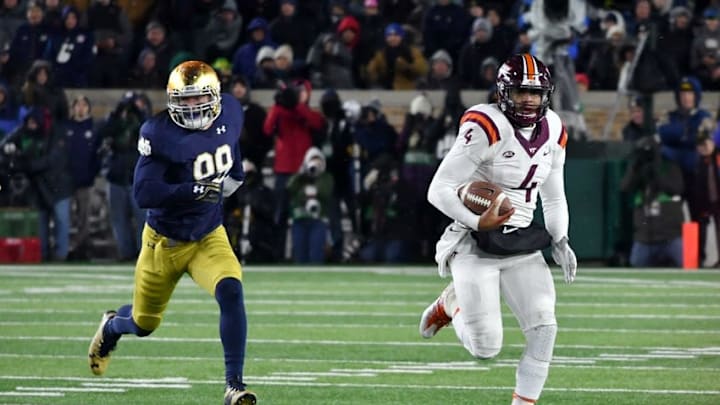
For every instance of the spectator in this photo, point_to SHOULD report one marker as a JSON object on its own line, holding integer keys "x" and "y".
{"x": 146, "y": 74}
{"x": 265, "y": 69}
{"x": 221, "y": 35}
{"x": 40, "y": 154}
{"x": 704, "y": 195}
{"x": 108, "y": 21}
{"x": 185, "y": 20}
{"x": 445, "y": 128}
{"x": 635, "y": 129}
{"x": 607, "y": 60}
{"x": 284, "y": 68}
{"x": 389, "y": 214}
{"x": 9, "y": 111}
{"x": 292, "y": 124}
{"x": 288, "y": 28}
{"x": 481, "y": 46}
{"x": 656, "y": 184}
{"x": 416, "y": 148}
{"x": 40, "y": 90}
{"x": 679, "y": 39}
{"x": 331, "y": 60}
{"x": 372, "y": 38}
{"x": 249, "y": 219}
{"x": 504, "y": 34}
{"x": 156, "y": 40}
{"x": 120, "y": 136}
{"x": 375, "y": 136}
{"x": 11, "y": 18}
{"x": 253, "y": 143}
{"x": 445, "y": 26}
{"x": 440, "y": 76}
{"x": 398, "y": 65}
{"x": 83, "y": 143}
{"x": 71, "y": 51}
{"x": 28, "y": 44}
{"x": 244, "y": 61}
{"x": 111, "y": 63}
{"x": 705, "y": 53}
{"x": 53, "y": 16}
{"x": 310, "y": 192}
{"x": 337, "y": 148}
{"x": 679, "y": 133}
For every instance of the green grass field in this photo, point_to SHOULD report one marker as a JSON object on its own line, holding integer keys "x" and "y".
{"x": 334, "y": 335}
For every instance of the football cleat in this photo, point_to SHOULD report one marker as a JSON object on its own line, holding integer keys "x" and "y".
{"x": 237, "y": 396}
{"x": 435, "y": 316}
{"x": 101, "y": 346}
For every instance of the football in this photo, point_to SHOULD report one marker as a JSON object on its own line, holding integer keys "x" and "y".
{"x": 478, "y": 195}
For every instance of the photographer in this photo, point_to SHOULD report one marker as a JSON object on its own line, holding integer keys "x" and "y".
{"x": 119, "y": 154}
{"x": 37, "y": 151}
{"x": 656, "y": 184}
{"x": 311, "y": 194}
{"x": 292, "y": 124}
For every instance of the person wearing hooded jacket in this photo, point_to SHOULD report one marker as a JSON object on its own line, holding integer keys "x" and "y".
{"x": 311, "y": 196}
{"x": 71, "y": 51}
{"x": 243, "y": 60}
{"x": 39, "y": 153}
{"x": 292, "y": 124}
{"x": 680, "y": 129}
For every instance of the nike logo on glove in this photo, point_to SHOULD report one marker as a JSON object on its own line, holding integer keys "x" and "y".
{"x": 508, "y": 229}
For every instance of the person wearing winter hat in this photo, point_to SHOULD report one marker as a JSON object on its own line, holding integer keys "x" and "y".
{"x": 397, "y": 65}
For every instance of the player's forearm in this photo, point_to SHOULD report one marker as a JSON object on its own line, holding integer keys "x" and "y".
{"x": 555, "y": 208}
{"x": 159, "y": 194}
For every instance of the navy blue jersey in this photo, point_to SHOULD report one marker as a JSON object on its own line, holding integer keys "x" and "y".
{"x": 173, "y": 158}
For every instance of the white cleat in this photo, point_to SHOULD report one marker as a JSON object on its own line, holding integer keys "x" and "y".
{"x": 435, "y": 316}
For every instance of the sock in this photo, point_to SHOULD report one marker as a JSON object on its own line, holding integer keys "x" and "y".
{"x": 532, "y": 370}
{"x": 123, "y": 323}
{"x": 233, "y": 328}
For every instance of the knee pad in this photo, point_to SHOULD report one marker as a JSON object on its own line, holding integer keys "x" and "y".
{"x": 484, "y": 340}
{"x": 541, "y": 341}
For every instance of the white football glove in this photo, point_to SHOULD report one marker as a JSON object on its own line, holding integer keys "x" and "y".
{"x": 565, "y": 258}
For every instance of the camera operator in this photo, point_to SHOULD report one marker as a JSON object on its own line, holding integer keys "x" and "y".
{"x": 292, "y": 123}
{"x": 656, "y": 185}
{"x": 36, "y": 150}
{"x": 311, "y": 196}
{"x": 119, "y": 154}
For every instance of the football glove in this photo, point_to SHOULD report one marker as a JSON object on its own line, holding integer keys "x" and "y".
{"x": 564, "y": 256}
{"x": 207, "y": 191}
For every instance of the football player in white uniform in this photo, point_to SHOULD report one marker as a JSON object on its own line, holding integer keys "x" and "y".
{"x": 519, "y": 145}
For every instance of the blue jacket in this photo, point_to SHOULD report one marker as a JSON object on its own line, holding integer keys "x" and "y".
{"x": 82, "y": 143}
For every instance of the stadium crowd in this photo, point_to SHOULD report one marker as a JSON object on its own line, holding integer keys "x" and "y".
{"x": 341, "y": 183}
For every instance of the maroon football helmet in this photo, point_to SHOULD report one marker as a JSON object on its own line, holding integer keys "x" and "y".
{"x": 523, "y": 71}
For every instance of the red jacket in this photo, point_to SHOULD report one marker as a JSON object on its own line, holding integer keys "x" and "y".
{"x": 292, "y": 129}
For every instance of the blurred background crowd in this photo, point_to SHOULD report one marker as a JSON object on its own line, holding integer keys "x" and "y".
{"x": 338, "y": 182}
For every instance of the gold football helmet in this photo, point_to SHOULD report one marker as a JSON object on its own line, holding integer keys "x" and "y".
{"x": 191, "y": 81}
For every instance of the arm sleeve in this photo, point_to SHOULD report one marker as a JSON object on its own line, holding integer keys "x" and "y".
{"x": 152, "y": 191}
{"x": 454, "y": 171}
{"x": 554, "y": 202}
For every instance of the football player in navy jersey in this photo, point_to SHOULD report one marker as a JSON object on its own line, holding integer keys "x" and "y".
{"x": 189, "y": 160}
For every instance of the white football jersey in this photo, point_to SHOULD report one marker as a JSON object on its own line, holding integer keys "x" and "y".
{"x": 524, "y": 162}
